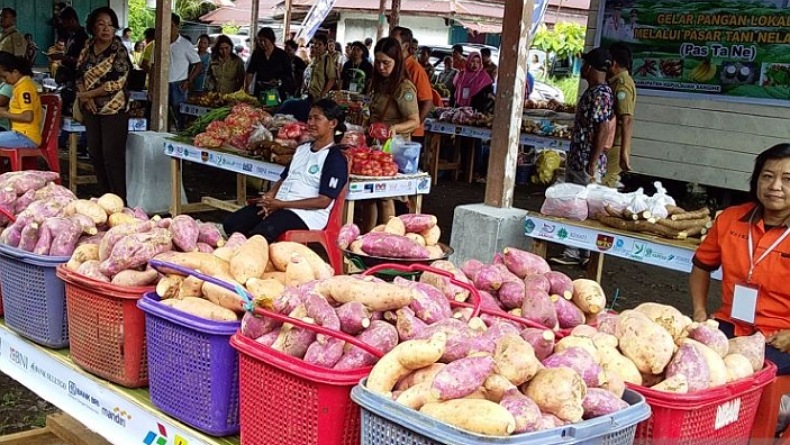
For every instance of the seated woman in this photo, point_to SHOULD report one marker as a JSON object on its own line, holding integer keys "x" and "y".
{"x": 24, "y": 109}
{"x": 306, "y": 192}
{"x": 751, "y": 243}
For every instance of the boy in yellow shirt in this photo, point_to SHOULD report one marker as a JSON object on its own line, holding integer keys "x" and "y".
{"x": 24, "y": 109}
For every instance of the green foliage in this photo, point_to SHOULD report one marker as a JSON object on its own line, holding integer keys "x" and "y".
{"x": 569, "y": 87}
{"x": 192, "y": 10}
{"x": 566, "y": 39}
{"x": 230, "y": 29}
{"x": 140, "y": 18}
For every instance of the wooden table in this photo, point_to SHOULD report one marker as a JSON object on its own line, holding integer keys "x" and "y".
{"x": 602, "y": 240}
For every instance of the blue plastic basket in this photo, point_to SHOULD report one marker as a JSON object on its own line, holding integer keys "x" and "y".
{"x": 385, "y": 422}
{"x": 34, "y": 298}
{"x": 193, "y": 372}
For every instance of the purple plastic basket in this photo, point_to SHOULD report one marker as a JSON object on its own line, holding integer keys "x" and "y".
{"x": 34, "y": 298}
{"x": 193, "y": 372}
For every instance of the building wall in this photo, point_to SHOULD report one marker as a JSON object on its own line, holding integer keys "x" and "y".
{"x": 427, "y": 30}
{"x": 710, "y": 142}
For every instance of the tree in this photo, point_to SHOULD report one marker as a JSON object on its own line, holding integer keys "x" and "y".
{"x": 565, "y": 40}
{"x": 192, "y": 10}
{"x": 140, "y": 18}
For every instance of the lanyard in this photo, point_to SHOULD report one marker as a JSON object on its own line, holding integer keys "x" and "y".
{"x": 752, "y": 262}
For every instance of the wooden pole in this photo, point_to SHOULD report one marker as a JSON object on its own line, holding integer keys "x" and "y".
{"x": 287, "y": 21}
{"x": 382, "y": 19}
{"x": 160, "y": 74}
{"x": 256, "y": 7}
{"x": 511, "y": 86}
{"x": 394, "y": 14}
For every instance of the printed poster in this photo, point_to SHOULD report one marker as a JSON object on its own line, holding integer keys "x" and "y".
{"x": 736, "y": 49}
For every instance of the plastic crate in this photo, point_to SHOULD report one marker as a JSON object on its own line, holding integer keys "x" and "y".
{"x": 723, "y": 415}
{"x": 193, "y": 372}
{"x": 385, "y": 422}
{"x": 1, "y": 301}
{"x": 307, "y": 404}
{"x": 34, "y": 297}
{"x": 106, "y": 329}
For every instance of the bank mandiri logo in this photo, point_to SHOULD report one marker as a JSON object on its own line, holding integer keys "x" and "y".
{"x": 160, "y": 437}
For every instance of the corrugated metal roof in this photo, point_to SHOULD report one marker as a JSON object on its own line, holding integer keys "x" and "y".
{"x": 241, "y": 11}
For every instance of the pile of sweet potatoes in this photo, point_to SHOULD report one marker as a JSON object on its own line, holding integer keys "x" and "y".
{"x": 411, "y": 236}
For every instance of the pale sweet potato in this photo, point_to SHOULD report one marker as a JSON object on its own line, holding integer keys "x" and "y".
{"x": 523, "y": 263}
{"x": 451, "y": 291}
{"x": 462, "y": 377}
{"x": 515, "y": 359}
{"x": 600, "y": 402}
{"x": 408, "y": 324}
{"x": 416, "y": 396}
{"x": 134, "y": 278}
{"x": 298, "y": 271}
{"x": 169, "y": 286}
{"x": 201, "y": 308}
{"x": 82, "y": 254}
{"x": 431, "y": 236}
{"x": 91, "y": 270}
{"x": 280, "y": 254}
{"x": 572, "y": 341}
{"x": 375, "y": 296}
{"x": 647, "y": 344}
{"x": 588, "y": 296}
{"x": 294, "y": 340}
{"x": 614, "y": 362}
{"x": 476, "y": 416}
{"x": 558, "y": 391}
{"x": 249, "y": 260}
{"x": 87, "y": 208}
{"x": 738, "y": 367}
{"x": 667, "y": 317}
{"x": 677, "y": 384}
{"x": 395, "y": 226}
{"x": 752, "y": 347}
{"x": 110, "y": 203}
{"x": 86, "y": 224}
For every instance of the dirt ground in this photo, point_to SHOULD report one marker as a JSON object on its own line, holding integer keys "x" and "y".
{"x": 634, "y": 283}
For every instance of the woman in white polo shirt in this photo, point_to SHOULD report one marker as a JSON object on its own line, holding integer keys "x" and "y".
{"x": 306, "y": 191}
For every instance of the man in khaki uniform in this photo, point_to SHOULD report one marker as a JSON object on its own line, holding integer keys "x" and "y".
{"x": 324, "y": 74}
{"x": 619, "y": 156}
{"x": 11, "y": 40}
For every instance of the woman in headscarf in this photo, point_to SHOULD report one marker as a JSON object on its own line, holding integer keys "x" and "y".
{"x": 473, "y": 86}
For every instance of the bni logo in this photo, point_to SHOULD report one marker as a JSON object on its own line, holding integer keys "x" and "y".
{"x": 160, "y": 437}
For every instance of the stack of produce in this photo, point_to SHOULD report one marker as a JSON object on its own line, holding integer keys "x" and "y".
{"x": 19, "y": 189}
{"x": 290, "y": 136}
{"x": 200, "y": 125}
{"x": 235, "y": 129}
{"x": 408, "y": 236}
{"x": 369, "y": 162}
{"x": 552, "y": 105}
{"x": 464, "y": 116}
{"x": 210, "y": 100}
{"x": 442, "y": 89}
{"x": 679, "y": 224}
{"x": 252, "y": 264}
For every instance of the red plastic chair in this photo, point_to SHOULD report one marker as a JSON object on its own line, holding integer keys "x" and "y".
{"x": 49, "y": 141}
{"x": 327, "y": 237}
{"x": 765, "y": 422}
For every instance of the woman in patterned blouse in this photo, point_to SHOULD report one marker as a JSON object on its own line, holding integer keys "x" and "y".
{"x": 103, "y": 98}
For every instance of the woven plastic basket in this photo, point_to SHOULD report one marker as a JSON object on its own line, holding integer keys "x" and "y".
{"x": 193, "y": 372}
{"x": 722, "y": 416}
{"x": 33, "y": 297}
{"x": 1, "y": 301}
{"x": 106, "y": 329}
{"x": 385, "y": 422}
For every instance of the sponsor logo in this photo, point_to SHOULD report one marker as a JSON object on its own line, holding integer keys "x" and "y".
{"x": 247, "y": 167}
{"x": 604, "y": 242}
{"x": 84, "y": 397}
{"x": 578, "y": 236}
{"x": 424, "y": 185}
{"x": 204, "y": 156}
{"x": 51, "y": 378}
{"x": 562, "y": 233}
{"x": 169, "y": 149}
{"x": 547, "y": 231}
{"x": 529, "y": 226}
{"x": 117, "y": 415}
{"x": 159, "y": 437}
{"x": 727, "y": 413}
{"x": 179, "y": 150}
{"x": 639, "y": 251}
{"x": 18, "y": 358}
{"x": 381, "y": 187}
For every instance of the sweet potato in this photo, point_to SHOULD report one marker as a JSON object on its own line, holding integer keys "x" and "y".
{"x": 408, "y": 324}
{"x": 298, "y": 271}
{"x": 82, "y": 254}
{"x": 375, "y": 296}
{"x": 393, "y": 246}
{"x": 86, "y": 224}
{"x": 568, "y": 314}
{"x": 538, "y": 307}
{"x": 549, "y": 421}
{"x": 451, "y": 291}
{"x": 52, "y": 190}
{"x": 163, "y": 223}
{"x": 515, "y": 359}
{"x": 169, "y": 286}
{"x": 416, "y": 396}
{"x": 319, "y": 310}
{"x": 87, "y": 208}
{"x": 580, "y": 361}
{"x": 523, "y": 263}
{"x": 7, "y": 203}
{"x": 708, "y": 334}
{"x": 602, "y": 340}
{"x": 208, "y": 233}
{"x": 268, "y": 339}
{"x": 717, "y": 370}
{"x": 134, "y": 278}
{"x": 280, "y": 254}
{"x": 91, "y": 270}
{"x": 428, "y": 303}
{"x": 279, "y": 276}
{"x": 110, "y": 203}
{"x": 119, "y": 219}
{"x": 235, "y": 240}
{"x": 185, "y": 233}
{"x": 29, "y": 236}
{"x": 612, "y": 361}
{"x": 136, "y": 250}
{"x": 419, "y": 240}
{"x": 348, "y": 233}
{"x": 541, "y": 340}
{"x": 496, "y": 386}
{"x": 490, "y": 278}
{"x": 117, "y": 233}
{"x": 605, "y": 322}
{"x": 512, "y": 294}
{"x": 294, "y": 340}
{"x": 458, "y": 342}
{"x": 524, "y": 410}
{"x": 435, "y": 252}
{"x": 190, "y": 287}
{"x": 402, "y": 359}
{"x": 647, "y": 344}
{"x": 264, "y": 292}
{"x": 417, "y": 223}
{"x": 462, "y": 377}
{"x": 677, "y": 384}
{"x": 471, "y": 268}
{"x": 600, "y": 402}
{"x": 738, "y": 367}
{"x": 585, "y": 343}
{"x": 24, "y": 182}
{"x": 560, "y": 284}
{"x": 752, "y": 347}
{"x": 326, "y": 354}
{"x": 499, "y": 329}
{"x": 588, "y": 296}
{"x": 254, "y": 326}
{"x": 65, "y": 240}
{"x": 201, "y": 308}
{"x": 395, "y": 226}
{"x": 614, "y": 384}
{"x": 422, "y": 375}
{"x": 689, "y": 361}
{"x": 431, "y": 235}
{"x": 667, "y": 317}
{"x": 382, "y": 336}
{"x": 558, "y": 391}
{"x": 92, "y": 239}
{"x": 205, "y": 248}
{"x": 249, "y": 261}
{"x": 537, "y": 282}
{"x": 354, "y": 317}
{"x": 584, "y": 330}
{"x": 476, "y": 416}
{"x": 23, "y": 201}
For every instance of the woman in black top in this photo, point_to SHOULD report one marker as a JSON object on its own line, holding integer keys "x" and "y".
{"x": 270, "y": 66}
{"x": 358, "y": 70}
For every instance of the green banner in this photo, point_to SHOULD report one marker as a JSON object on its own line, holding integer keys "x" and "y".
{"x": 733, "y": 49}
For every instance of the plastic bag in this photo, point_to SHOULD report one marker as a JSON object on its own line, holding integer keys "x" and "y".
{"x": 566, "y": 200}
{"x": 548, "y": 163}
{"x": 638, "y": 202}
{"x": 599, "y": 196}
{"x": 657, "y": 204}
{"x": 260, "y": 134}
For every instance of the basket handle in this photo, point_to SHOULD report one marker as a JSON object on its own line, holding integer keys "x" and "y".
{"x": 509, "y": 316}
{"x": 416, "y": 267}
{"x": 158, "y": 265}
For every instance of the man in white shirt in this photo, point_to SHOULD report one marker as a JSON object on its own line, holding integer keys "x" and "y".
{"x": 184, "y": 67}
{"x": 126, "y": 38}
{"x": 614, "y": 24}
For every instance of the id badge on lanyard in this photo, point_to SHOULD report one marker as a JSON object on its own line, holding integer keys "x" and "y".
{"x": 744, "y": 299}
{"x": 465, "y": 93}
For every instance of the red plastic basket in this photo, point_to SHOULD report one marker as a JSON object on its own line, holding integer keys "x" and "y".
{"x": 107, "y": 330}
{"x": 720, "y": 416}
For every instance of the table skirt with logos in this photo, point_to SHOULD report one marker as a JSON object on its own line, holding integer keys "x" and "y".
{"x": 601, "y": 240}
{"x": 437, "y": 132}
{"x": 122, "y": 416}
{"x": 360, "y": 187}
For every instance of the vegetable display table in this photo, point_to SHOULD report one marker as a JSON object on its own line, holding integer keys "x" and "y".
{"x": 122, "y": 416}
{"x": 360, "y": 187}
{"x": 436, "y": 130}
{"x": 601, "y": 240}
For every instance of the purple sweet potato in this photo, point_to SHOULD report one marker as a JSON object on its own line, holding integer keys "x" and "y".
{"x": 605, "y": 322}
{"x": 498, "y": 259}
{"x": 253, "y": 326}
{"x": 29, "y": 236}
{"x": 354, "y": 317}
{"x": 542, "y": 341}
{"x": 136, "y": 250}
{"x": 7, "y": 203}
{"x": 52, "y": 190}
{"x": 524, "y": 410}
{"x": 23, "y": 201}
{"x": 319, "y": 310}
{"x": 408, "y": 324}
{"x": 450, "y": 290}
{"x": 269, "y": 338}
{"x": 86, "y": 224}
{"x": 488, "y": 301}
{"x": 163, "y": 223}
{"x": 348, "y": 233}
{"x": 458, "y": 334}
{"x": 580, "y": 361}
{"x": 429, "y": 304}
{"x": 381, "y": 335}
{"x": 93, "y": 239}
{"x": 418, "y": 223}
{"x": 91, "y": 270}
{"x": 689, "y": 361}
{"x": 185, "y": 233}
{"x": 708, "y": 334}
{"x": 236, "y": 240}
{"x": 568, "y": 314}
{"x": 294, "y": 340}
{"x": 50, "y": 229}
{"x": 538, "y": 307}
{"x": 11, "y": 235}
{"x": 205, "y": 248}
{"x": 289, "y": 300}
{"x": 327, "y": 354}
{"x": 209, "y": 234}
{"x": 523, "y": 263}
{"x": 462, "y": 377}
{"x": 24, "y": 182}
{"x": 490, "y": 278}
{"x": 500, "y": 329}
{"x": 140, "y": 214}
{"x": 512, "y": 294}
{"x": 393, "y": 246}
{"x": 549, "y": 421}
{"x": 600, "y": 402}
{"x": 117, "y": 233}
{"x": 538, "y": 282}
{"x": 560, "y": 284}
{"x": 65, "y": 241}
{"x": 471, "y": 268}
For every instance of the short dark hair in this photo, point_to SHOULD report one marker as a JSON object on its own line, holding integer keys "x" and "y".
{"x": 267, "y": 33}
{"x": 333, "y": 111}
{"x": 775, "y": 153}
{"x": 28, "y": 36}
{"x": 11, "y": 62}
{"x": 204, "y": 36}
{"x": 458, "y": 48}
{"x": 405, "y": 33}
{"x": 94, "y": 15}
{"x": 321, "y": 38}
{"x": 125, "y": 30}
{"x": 68, "y": 13}
{"x": 485, "y": 52}
{"x": 175, "y": 18}
{"x": 149, "y": 33}
{"x": 621, "y": 54}
{"x": 11, "y": 11}
{"x": 368, "y": 41}
{"x": 292, "y": 44}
